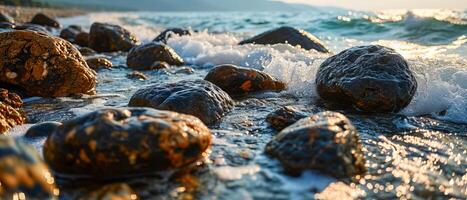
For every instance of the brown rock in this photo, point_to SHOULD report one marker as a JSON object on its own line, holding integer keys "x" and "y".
{"x": 285, "y": 116}
{"x": 44, "y": 20}
{"x": 82, "y": 39}
{"x": 109, "y": 38}
{"x": 137, "y": 75}
{"x": 9, "y": 113}
{"x": 116, "y": 191}
{"x": 97, "y": 63}
{"x": 149, "y": 56}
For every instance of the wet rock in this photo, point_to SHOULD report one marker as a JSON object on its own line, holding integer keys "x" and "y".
{"x": 32, "y": 27}
{"x": 43, "y": 129}
{"x": 165, "y": 35}
{"x": 9, "y": 110}
{"x": 116, "y": 191}
{"x": 71, "y": 32}
{"x": 112, "y": 143}
{"x": 239, "y": 81}
{"x": 6, "y": 18}
{"x": 151, "y": 55}
{"x": 137, "y": 75}
{"x": 44, "y": 20}
{"x": 43, "y": 65}
{"x": 7, "y": 25}
{"x": 82, "y": 39}
{"x": 198, "y": 98}
{"x": 185, "y": 70}
{"x": 109, "y": 38}
{"x": 327, "y": 142}
{"x": 284, "y": 117}
{"x": 23, "y": 171}
{"x": 97, "y": 63}
{"x": 288, "y": 35}
{"x": 85, "y": 51}
{"x": 367, "y": 78}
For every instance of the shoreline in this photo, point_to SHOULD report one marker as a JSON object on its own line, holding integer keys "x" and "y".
{"x": 25, "y": 14}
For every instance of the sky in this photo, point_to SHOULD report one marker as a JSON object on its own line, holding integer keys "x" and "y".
{"x": 387, "y": 4}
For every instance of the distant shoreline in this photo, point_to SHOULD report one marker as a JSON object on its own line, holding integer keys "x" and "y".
{"x": 25, "y": 14}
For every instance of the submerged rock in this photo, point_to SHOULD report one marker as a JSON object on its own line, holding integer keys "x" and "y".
{"x": 97, "y": 63}
{"x": 9, "y": 113}
{"x": 199, "y": 98}
{"x": 44, "y": 20}
{"x": 168, "y": 33}
{"x": 239, "y": 81}
{"x": 43, "y": 129}
{"x": 43, "y": 65}
{"x": 116, "y": 191}
{"x": 284, "y": 117}
{"x": 109, "y": 38}
{"x": 82, "y": 39}
{"x": 6, "y": 18}
{"x": 149, "y": 56}
{"x": 71, "y": 32}
{"x": 368, "y": 78}
{"x": 23, "y": 171}
{"x": 288, "y": 35}
{"x": 137, "y": 75}
{"x": 327, "y": 142}
{"x": 112, "y": 143}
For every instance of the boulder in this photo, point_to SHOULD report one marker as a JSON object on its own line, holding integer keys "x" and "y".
{"x": 112, "y": 143}
{"x": 149, "y": 56}
{"x": 109, "y": 38}
{"x": 367, "y": 78}
{"x": 9, "y": 110}
{"x": 6, "y": 18}
{"x": 168, "y": 33}
{"x": 43, "y": 65}
{"x": 288, "y": 35}
{"x": 23, "y": 171}
{"x": 97, "y": 63}
{"x": 71, "y": 32}
{"x": 43, "y": 129}
{"x": 326, "y": 142}
{"x": 239, "y": 81}
{"x": 284, "y": 117}
{"x": 198, "y": 98}
{"x": 82, "y": 39}
{"x": 44, "y": 20}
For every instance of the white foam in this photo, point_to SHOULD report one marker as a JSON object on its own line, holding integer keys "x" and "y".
{"x": 229, "y": 173}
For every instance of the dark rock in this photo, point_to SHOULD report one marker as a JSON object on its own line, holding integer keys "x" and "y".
{"x": 32, "y": 27}
{"x": 199, "y": 98}
{"x": 149, "y": 56}
{"x": 71, "y": 32}
{"x": 116, "y": 191}
{"x": 327, "y": 142}
{"x": 6, "y": 18}
{"x": 367, "y": 78}
{"x": 86, "y": 51}
{"x": 109, "y": 38}
{"x": 239, "y": 81}
{"x": 97, "y": 63}
{"x": 165, "y": 35}
{"x": 7, "y": 25}
{"x": 112, "y": 143}
{"x": 9, "y": 110}
{"x": 43, "y": 129}
{"x": 44, "y": 20}
{"x": 137, "y": 75}
{"x": 82, "y": 39}
{"x": 43, "y": 65}
{"x": 288, "y": 35}
{"x": 285, "y": 116}
{"x": 23, "y": 171}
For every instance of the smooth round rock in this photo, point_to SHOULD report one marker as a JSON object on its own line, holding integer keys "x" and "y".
{"x": 9, "y": 110}
{"x": 43, "y": 65}
{"x": 148, "y": 56}
{"x": 112, "y": 143}
{"x": 82, "y": 39}
{"x": 284, "y": 117}
{"x": 6, "y": 18}
{"x": 239, "y": 81}
{"x": 326, "y": 142}
{"x": 110, "y": 38}
{"x": 367, "y": 78}
{"x": 97, "y": 63}
{"x": 198, "y": 98}
{"x": 71, "y": 32}
{"x": 23, "y": 171}
{"x": 43, "y": 129}
{"x": 165, "y": 35}
{"x": 44, "y": 20}
{"x": 288, "y": 35}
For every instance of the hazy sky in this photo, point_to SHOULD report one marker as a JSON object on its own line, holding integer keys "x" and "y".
{"x": 387, "y": 4}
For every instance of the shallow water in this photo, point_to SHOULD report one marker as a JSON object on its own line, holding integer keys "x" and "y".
{"x": 416, "y": 154}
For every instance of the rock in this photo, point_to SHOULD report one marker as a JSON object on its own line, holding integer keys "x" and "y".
{"x": 109, "y": 38}
{"x": 327, "y": 142}
{"x": 9, "y": 110}
{"x": 116, "y": 191}
{"x": 149, "y": 56}
{"x": 97, "y": 63}
{"x": 86, "y": 51}
{"x": 184, "y": 70}
{"x": 285, "y": 116}
{"x": 112, "y": 143}
{"x": 7, "y": 25}
{"x": 137, "y": 75}
{"x": 288, "y": 35}
{"x": 44, "y": 20}
{"x": 43, "y": 129}
{"x": 32, "y": 27}
{"x": 23, "y": 171}
{"x": 165, "y": 35}
{"x": 71, "y": 32}
{"x": 43, "y": 65}
{"x": 367, "y": 78}
{"x": 6, "y": 18}
{"x": 82, "y": 39}
{"x": 239, "y": 81}
{"x": 198, "y": 98}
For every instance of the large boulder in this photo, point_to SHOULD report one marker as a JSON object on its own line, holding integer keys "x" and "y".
{"x": 165, "y": 35}
{"x": 146, "y": 56}
{"x": 9, "y": 110}
{"x": 112, "y": 143}
{"x": 43, "y": 65}
{"x": 109, "y": 38}
{"x": 327, "y": 142}
{"x": 23, "y": 171}
{"x": 288, "y": 35}
{"x": 367, "y": 78}
{"x": 199, "y": 98}
{"x": 44, "y": 20}
{"x": 6, "y": 18}
{"x": 239, "y": 81}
